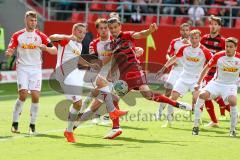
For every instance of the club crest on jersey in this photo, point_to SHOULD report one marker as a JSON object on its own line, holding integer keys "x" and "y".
{"x": 28, "y": 46}
{"x": 230, "y": 69}
{"x": 76, "y": 52}
{"x": 193, "y": 59}
{"x": 215, "y": 43}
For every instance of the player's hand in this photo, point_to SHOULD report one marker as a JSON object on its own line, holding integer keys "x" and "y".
{"x": 160, "y": 73}
{"x": 139, "y": 51}
{"x": 9, "y": 52}
{"x": 43, "y": 47}
{"x": 196, "y": 87}
{"x": 153, "y": 27}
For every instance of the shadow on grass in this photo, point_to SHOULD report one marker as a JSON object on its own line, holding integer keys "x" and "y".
{"x": 127, "y": 127}
{"x": 95, "y": 145}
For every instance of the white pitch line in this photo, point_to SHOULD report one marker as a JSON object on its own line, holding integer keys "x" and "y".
{"x": 44, "y": 132}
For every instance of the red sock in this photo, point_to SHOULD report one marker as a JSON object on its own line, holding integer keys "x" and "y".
{"x": 210, "y": 110}
{"x": 222, "y": 106}
{"x": 161, "y": 98}
{"x": 115, "y": 122}
{"x": 228, "y": 108}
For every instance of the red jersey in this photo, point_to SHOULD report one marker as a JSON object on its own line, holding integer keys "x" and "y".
{"x": 215, "y": 45}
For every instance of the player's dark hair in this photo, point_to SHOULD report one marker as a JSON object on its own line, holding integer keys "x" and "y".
{"x": 232, "y": 40}
{"x": 100, "y": 20}
{"x": 113, "y": 20}
{"x": 31, "y": 14}
{"x": 184, "y": 25}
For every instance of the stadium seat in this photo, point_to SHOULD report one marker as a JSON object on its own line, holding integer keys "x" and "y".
{"x": 166, "y": 21}
{"x": 213, "y": 11}
{"x": 111, "y": 7}
{"x": 180, "y": 20}
{"x": 97, "y": 6}
{"x": 237, "y": 23}
{"x": 150, "y": 19}
{"x": 77, "y": 17}
{"x": 104, "y": 15}
{"x": 92, "y": 17}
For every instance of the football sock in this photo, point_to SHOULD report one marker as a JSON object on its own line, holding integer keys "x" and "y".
{"x": 17, "y": 110}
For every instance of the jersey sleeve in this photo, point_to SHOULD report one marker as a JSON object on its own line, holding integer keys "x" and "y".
{"x": 44, "y": 38}
{"x": 171, "y": 49}
{"x": 13, "y": 42}
{"x": 208, "y": 54}
{"x": 128, "y": 34}
{"x": 214, "y": 59}
{"x": 180, "y": 51}
{"x": 63, "y": 42}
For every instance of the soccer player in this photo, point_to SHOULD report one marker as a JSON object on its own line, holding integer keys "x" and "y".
{"x": 215, "y": 42}
{"x": 29, "y": 44}
{"x": 194, "y": 56}
{"x": 177, "y": 68}
{"x": 125, "y": 60}
{"x": 223, "y": 84}
{"x": 69, "y": 49}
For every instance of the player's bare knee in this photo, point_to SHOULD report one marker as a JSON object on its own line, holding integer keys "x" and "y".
{"x": 204, "y": 95}
{"x": 146, "y": 94}
{"x": 77, "y": 105}
{"x": 174, "y": 95}
{"x": 232, "y": 100}
{"x": 23, "y": 95}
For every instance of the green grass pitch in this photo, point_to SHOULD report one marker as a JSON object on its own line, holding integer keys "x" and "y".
{"x": 142, "y": 138}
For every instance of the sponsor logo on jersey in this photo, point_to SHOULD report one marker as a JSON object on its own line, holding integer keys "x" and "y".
{"x": 28, "y": 46}
{"x": 230, "y": 69}
{"x": 193, "y": 59}
{"x": 76, "y": 52}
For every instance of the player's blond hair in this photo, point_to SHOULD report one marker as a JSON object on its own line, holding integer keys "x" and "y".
{"x": 113, "y": 20}
{"x": 100, "y": 20}
{"x": 216, "y": 19}
{"x": 232, "y": 40}
{"x": 195, "y": 31}
{"x": 31, "y": 14}
{"x": 78, "y": 25}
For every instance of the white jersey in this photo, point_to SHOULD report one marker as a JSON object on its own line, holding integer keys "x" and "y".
{"x": 28, "y": 54}
{"x": 193, "y": 60}
{"x": 67, "y": 50}
{"x": 175, "y": 45}
{"x": 102, "y": 50}
{"x": 228, "y": 68}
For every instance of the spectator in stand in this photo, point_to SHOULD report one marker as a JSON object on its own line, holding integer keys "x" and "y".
{"x": 181, "y": 10}
{"x": 127, "y": 7}
{"x": 169, "y": 9}
{"x": 224, "y": 12}
{"x": 196, "y": 14}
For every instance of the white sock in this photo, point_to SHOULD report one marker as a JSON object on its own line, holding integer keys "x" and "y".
{"x": 234, "y": 118}
{"x": 34, "y": 112}
{"x": 17, "y": 110}
{"x": 170, "y": 112}
{"x": 197, "y": 111}
{"x": 161, "y": 108}
{"x": 73, "y": 113}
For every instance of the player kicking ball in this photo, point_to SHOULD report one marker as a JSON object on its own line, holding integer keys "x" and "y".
{"x": 224, "y": 83}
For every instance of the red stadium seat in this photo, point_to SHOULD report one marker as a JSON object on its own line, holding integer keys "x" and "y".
{"x": 180, "y": 20}
{"x": 77, "y": 17}
{"x": 104, "y": 15}
{"x": 166, "y": 21}
{"x": 150, "y": 19}
{"x": 92, "y": 17}
{"x": 237, "y": 23}
{"x": 213, "y": 11}
{"x": 111, "y": 7}
{"x": 97, "y": 6}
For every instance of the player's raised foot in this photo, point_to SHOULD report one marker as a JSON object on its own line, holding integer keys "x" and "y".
{"x": 184, "y": 106}
{"x": 14, "y": 128}
{"x": 195, "y": 131}
{"x": 117, "y": 113}
{"x": 113, "y": 133}
{"x": 212, "y": 124}
{"x": 233, "y": 133}
{"x": 69, "y": 136}
{"x": 167, "y": 124}
{"x": 32, "y": 129}
{"x": 222, "y": 118}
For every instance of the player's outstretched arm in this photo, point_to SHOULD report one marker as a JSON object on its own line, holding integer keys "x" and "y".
{"x": 202, "y": 75}
{"x": 59, "y": 37}
{"x": 144, "y": 33}
{"x": 170, "y": 62}
{"x": 50, "y": 49}
{"x": 9, "y": 52}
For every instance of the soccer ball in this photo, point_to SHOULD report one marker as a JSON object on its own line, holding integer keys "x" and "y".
{"x": 120, "y": 87}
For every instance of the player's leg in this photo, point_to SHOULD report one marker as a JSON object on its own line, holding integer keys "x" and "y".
{"x": 163, "y": 105}
{"x": 232, "y": 100}
{"x": 22, "y": 83}
{"x": 203, "y": 96}
{"x": 222, "y": 107}
{"x": 34, "y": 110}
{"x": 210, "y": 109}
